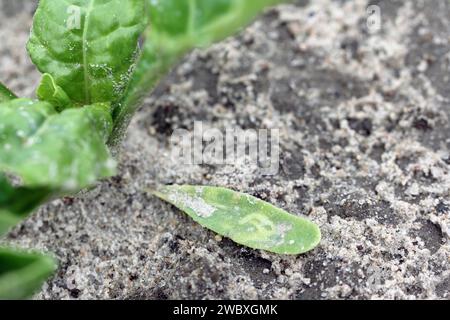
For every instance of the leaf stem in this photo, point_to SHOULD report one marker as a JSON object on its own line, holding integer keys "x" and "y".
{"x": 154, "y": 63}
{"x": 85, "y": 44}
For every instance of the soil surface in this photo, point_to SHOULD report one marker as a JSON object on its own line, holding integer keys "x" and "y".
{"x": 364, "y": 119}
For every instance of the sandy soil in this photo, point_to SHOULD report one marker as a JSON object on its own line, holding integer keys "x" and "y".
{"x": 365, "y": 138}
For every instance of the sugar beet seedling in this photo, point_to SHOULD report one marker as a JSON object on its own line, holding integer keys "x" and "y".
{"x": 94, "y": 79}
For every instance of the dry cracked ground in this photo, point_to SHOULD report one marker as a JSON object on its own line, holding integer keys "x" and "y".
{"x": 365, "y": 135}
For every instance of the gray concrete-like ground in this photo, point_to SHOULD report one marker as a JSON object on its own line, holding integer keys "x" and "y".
{"x": 365, "y": 138}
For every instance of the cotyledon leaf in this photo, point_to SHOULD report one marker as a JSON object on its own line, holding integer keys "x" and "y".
{"x": 88, "y": 46}
{"x": 175, "y": 28}
{"x": 5, "y": 94}
{"x": 62, "y": 151}
{"x": 198, "y": 23}
{"x": 243, "y": 218}
{"x": 49, "y": 91}
{"x": 23, "y": 273}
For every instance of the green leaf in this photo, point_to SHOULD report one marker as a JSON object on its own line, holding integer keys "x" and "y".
{"x": 60, "y": 151}
{"x": 49, "y": 91}
{"x": 199, "y": 23}
{"x": 23, "y": 273}
{"x": 244, "y": 219}
{"x": 5, "y": 94}
{"x": 175, "y": 28}
{"x": 17, "y": 203}
{"x": 88, "y": 46}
